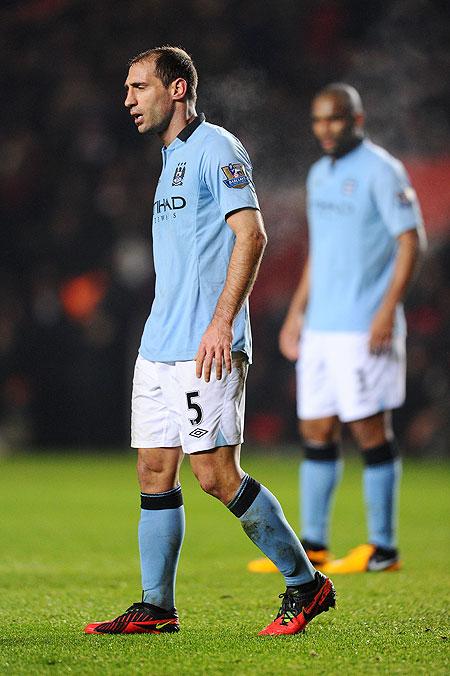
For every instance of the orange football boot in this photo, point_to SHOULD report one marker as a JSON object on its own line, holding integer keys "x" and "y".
{"x": 364, "y": 558}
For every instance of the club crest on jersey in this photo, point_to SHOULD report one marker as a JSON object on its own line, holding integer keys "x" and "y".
{"x": 235, "y": 175}
{"x": 406, "y": 196}
{"x": 349, "y": 186}
{"x": 179, "y": 174}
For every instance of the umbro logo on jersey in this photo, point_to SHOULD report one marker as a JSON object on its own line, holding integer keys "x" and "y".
{"x": 179, "y": 174}
{"x": 198, "y": 433}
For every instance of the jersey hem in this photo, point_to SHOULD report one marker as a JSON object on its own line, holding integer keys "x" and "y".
{"x": 398, "y": 331}
{"x": 186, "y": 356}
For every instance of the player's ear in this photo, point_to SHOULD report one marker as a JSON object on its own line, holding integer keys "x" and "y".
{"x": 179, "y": 89}
{"x": 359, "y": 119}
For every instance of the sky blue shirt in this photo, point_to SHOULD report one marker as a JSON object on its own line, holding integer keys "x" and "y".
{"x": 357, "y": 206}
{"x": 206, "y": 175}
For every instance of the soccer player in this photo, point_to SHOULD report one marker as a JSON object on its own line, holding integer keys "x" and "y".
{"x": 346, "y": 328}
{"x": 189, "y": 380}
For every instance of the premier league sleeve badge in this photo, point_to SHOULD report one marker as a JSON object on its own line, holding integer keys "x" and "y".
{"x": 236, "y": 176}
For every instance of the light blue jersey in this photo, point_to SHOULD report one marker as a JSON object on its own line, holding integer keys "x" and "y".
{"x": 206, "y": 175}
{"x": 357, "y": 206}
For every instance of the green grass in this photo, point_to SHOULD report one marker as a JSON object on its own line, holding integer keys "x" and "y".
{"x": 69, "y": 556}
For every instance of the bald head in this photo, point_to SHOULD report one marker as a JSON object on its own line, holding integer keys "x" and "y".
{"x": 347, "y": 96}
{"x": 337, "y": 119}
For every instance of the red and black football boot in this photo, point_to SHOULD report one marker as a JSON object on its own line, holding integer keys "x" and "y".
{"x": 297, "y": 608}
{"x": 140, "y": 618}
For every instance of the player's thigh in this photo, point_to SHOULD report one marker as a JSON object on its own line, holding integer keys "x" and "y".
{"x": 372, "y": 431}
{"x": 368, "y": 384}
{"x": 154, "y": 422}
{"x": 315, "y": 387}
{"x": 211, "y": 415}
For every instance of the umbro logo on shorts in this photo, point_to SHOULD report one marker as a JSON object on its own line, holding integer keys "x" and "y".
{"x": 198, "y": 433}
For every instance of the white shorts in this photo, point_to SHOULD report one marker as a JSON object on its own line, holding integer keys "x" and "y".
{"x": 337, "y": 375}
{"x": 171, "y": 407}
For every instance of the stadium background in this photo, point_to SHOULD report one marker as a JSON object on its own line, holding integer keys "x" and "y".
{"x": 77, "y": 184}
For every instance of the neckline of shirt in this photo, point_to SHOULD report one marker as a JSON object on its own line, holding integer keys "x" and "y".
{"x": 333, "y": 162}
{"x": 184, "y": 134}
{"x": 189, "y": 129}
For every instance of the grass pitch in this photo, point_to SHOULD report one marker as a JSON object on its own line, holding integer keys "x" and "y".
{"x": 69, "y": 557}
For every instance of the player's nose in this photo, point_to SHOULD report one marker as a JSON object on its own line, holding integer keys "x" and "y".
{"x": 130, "y": 99}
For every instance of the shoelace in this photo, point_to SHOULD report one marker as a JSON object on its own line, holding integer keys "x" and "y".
{"x": 290, "y": 607}
{"x": 136, "y": 606}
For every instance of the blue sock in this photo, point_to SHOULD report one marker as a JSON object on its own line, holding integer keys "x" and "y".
{"x": 161, "y": 532}
{"x": 320, "y": 473}
{"x": 263, "y": 521}
{"x": 381, "y": 480}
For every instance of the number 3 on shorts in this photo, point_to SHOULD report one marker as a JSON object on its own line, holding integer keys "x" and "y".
{"x": 194, "y": 407}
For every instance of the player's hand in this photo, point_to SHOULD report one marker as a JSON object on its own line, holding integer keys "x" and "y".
{"x": 290, "y": 336}
{"x": 381, "y": 331}
{"x": 214, "y": 348}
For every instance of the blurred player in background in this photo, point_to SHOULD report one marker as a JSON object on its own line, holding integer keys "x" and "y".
{"x": 208, "y": 240}
{"x": 346, "y": 328}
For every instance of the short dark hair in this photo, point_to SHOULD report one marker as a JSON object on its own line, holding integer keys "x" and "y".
{"x": 170, "y": 63}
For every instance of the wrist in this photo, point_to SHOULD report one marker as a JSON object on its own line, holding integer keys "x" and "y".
{"x": 294, "y": 319}
{"x": 221, "y": 321}
{"x": 388, "y": 308}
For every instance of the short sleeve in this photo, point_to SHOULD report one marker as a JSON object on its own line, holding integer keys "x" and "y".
{"x": 309, "y": 183}
{"x": 227, "y": 173}
{"x": 396, "y": 199}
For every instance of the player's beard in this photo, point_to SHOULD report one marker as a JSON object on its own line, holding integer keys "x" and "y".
{"x": 345, "y": 144}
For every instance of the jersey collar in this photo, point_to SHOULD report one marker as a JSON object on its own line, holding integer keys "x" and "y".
{"x": 191, "y": 127}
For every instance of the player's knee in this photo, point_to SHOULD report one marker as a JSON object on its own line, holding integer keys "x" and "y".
{"x": 154, "y": 477}
{"x": 318, "y": 431}
{"x": 209, "y": 483}
{"x": 385, "y": 452}
{"x": 371, "y": 432}
{"x": 217, "y": 485}
{"x": 144, "y": 468}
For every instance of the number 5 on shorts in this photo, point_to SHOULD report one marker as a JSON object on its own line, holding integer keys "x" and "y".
{"x": 194, "y": 407}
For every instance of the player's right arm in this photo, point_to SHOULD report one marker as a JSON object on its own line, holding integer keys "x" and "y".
{"x": 290, "y": 331}
{"x": 215, "y": 345}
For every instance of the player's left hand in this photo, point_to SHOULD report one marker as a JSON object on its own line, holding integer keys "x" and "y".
{"x": 381, "y": 331}
{"x": 215, "y": 347}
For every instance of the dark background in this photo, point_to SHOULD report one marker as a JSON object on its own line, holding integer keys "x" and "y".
{"x": 77, "y": 185}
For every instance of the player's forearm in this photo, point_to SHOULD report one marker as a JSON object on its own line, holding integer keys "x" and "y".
{"x": 405, "y": 263}
{"x": 299, "y": 300}
{"x": 242, "y": 271}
